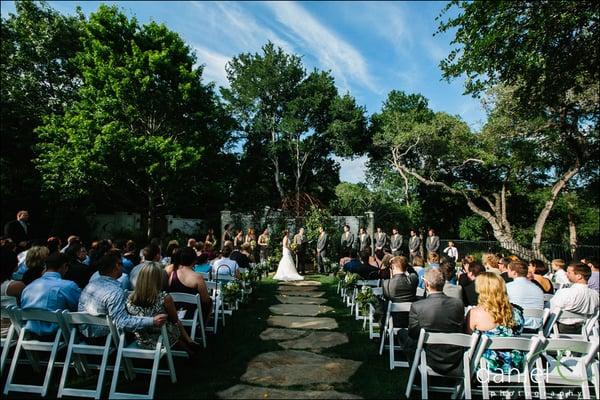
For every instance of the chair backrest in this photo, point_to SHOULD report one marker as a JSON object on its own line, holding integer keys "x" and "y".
{"x": 530, "y": 345}
{"x": 372, "y": 283}
{"x": 399, "y": 307}
{"x": 206, "y": 275}
{"x": 80, "y": 318}
{"x": 222, "y": 270}
{"x": 588, "y": 350}
{"x": 550, "y": 321}
{"x": 548, "y": 297}
{"x": 378, "y": 291}
{"x": 533, "y": 313}
{"x": 185, "y": 298}
{"x": 6, "y": 301}
{"x": 54, "y": 317}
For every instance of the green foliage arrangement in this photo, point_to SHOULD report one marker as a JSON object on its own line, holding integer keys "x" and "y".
{"x": 365, "y": 297}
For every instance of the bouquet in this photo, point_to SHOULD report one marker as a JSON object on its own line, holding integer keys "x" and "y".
{"x": 294, "y": 247}
{"x": 253, "y": 244}
{"x": 364, "y": 298}
{"x": 350, "y": 280}
{"x": 231, "y": 292}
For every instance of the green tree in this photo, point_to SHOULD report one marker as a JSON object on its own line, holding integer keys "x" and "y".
{"x": 297, "y": 117}
{"x": 37, "y": 78}
{"x": 144, "y": 123}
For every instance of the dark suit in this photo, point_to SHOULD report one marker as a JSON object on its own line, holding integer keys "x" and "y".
{"x": 364, "y": 242}
{"x": 15, "y": 231}
{"x": 321, "y": 251}
{"x": 432, "y": 243}
{"x": 470, "y": 296}
{"x": 346, "y": 243}
{"x": 396, "y": 244}
{"x": 79, "y": 273}
{"x": 437, "y": 313}
{"x": 301, "y": 242}
{"x": 400, "y": 289}
{"x": 381, "y": 240}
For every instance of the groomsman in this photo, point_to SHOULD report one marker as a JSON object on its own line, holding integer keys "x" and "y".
{"x": 414, "y": 245}
{"x": 432, "y": 243}
{"x": 301, "y": 242}
{"x": 347, "y": 241}
{"x": 381, "y": 239}
{"x": 364, "y": 241}
{"x": 321, "y": 250}
{"x": 396, "y": 242}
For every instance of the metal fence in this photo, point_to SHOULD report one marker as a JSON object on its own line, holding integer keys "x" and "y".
{"x": 549, "y": 250}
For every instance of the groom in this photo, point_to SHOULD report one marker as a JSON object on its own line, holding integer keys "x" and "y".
{"x": 301, "y": 242}
{"x": 321, "y": 250}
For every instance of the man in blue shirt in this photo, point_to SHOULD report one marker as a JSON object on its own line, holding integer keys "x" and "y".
{"x": 524, "y": 293}
{"x": 50, "y": 292}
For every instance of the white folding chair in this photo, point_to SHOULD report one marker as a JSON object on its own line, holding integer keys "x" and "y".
{"x": 468, "y": 342}
{"x": 30, "y": 345}
{"x": 218, "y": 308}
{"x": 390, "y": 332}
{"x": 196, "y": 322}
{"x": 9, "y": 341}
{"x": 371, "y": 317}
{"x": 530, "y": 345}
{"x": 133, "y": 351}
{"x": 565, "y": 369}
{"x": 588, "y": 329}
{"x": 72, "y": 321}
{"x": 420, "y": 292}
{"x": 373, "y": 283}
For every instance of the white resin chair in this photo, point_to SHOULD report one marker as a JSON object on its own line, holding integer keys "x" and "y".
{"x": 10, "y": 340}
{"x": 389, "y": 332}
{"x": 196, "y": 322}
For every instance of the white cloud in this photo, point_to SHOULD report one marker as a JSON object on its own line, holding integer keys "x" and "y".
{"x": 332, "y": 52}
{"x": 214, "y": 65}
{"x": 352, "y": 170}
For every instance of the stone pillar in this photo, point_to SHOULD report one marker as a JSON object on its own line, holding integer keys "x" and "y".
{"x": 371, "y": 228}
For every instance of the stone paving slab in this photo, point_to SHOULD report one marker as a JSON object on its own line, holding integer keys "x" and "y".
{"x": 300, "y": 283}
{"x": 290, "y": 288}
{"x": 281, "y": 334}
{"x": 300, "y": 299}
{"x": 315, "y": 341}
{"x": 255, "y": 392}
{"x": 321, "y": 323}
{"x": 303, "y": 310}
{"x": 297, "y": 368}
{"x": 305, "y": 293}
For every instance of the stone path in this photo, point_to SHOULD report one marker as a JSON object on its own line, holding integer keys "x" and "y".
{"x": 302, "y": 333}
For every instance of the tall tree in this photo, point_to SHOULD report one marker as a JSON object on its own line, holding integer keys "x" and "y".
{"x": 143, "y": 125}
{"x": 297, "y": 116}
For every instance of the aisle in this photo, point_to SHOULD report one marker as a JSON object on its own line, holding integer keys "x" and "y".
{"x": 298, "y": 370}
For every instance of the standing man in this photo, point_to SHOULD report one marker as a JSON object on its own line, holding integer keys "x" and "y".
{"x": 321, "y": 250}
{"x": 19, "y": 230}
{"x": 347, "y": 241}
{"x": 395, "y": 242}
{"x": 451, "y": 251}
{"x": 381, "y": 239}
{"x": 364, "y": 241}
{"x": 300, "y": 240}
{"x": 432, "y": 243}
{"x": 414, "y": 245}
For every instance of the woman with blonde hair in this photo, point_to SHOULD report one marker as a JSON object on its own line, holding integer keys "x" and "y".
{"x": 495, "y": 316}
{"x": 35, "y": 262}
{"x": 147, "y": 300}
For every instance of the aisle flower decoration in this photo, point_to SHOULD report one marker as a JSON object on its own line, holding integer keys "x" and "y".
{"x": 231, "y": 292}
{"x": 364, "y": 298}
{"x": 350, "y": 280}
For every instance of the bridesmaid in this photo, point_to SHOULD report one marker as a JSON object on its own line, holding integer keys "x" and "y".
{"x": 210, "y": 238}
{"x": 250, "y": 238}
{"x": 238, "y": 240}
{"x": 263, "y": 245}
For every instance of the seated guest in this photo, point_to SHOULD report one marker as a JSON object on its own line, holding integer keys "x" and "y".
{"x": 346, "y": 257}
{"x": 183, "y": 279}
{"x": 559, "y": 272}
{"x": 226, "y": 265}
{"x": 578, "y": 298}
{"x": 524, "y": 293}
{"x": 78, "y": 272}
{"x": 171, "y": 247}
{"x": 400, "y": 288}
{"x": 385, "y": 272}
{"x": 353, "y": 264}
{"x": 437, "y": 313}
{"x": 474, "y": 269}
{"x": 202, "y": 264}
{"x": 537, "y": 270}
{"x": 124, "y": 278}
{"x": 450, "y": 289}
{"x": 366, "y": 270}
{"x": 54, "y": 244}
{"x": 208, "y": 249}
{"x": 148, "y": 300}
{"x": 377, "y": 259}
{"x": 463, "y": 279}
{"x": 149, "y": 253}
{"x": 8, "y": 265}
{"x": 503, "y": 264}
{"x": 50, "y": 292}
{"x": 594, "y": 281}
{"x": 495, "y": 317}
{"x": 33, "y": 265}
{"x": 490, "y": 262}
{"x": 433, "y": 261}
{"x": 130, "y": 252}
{"x": 241, "y": 256}
{"x": 105, "y": 296}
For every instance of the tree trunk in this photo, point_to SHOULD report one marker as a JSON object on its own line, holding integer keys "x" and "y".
{"x": 572, "y": 234}
{"x": 150, "y": 213}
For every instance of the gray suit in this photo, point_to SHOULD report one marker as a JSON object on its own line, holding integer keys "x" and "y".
{"x": 321, "y": 251}
{"x": 364, "y": 242}
{"x": 432, "y": 243}
{"x": 396, "y": 244}
{"x": 414, "y": 244}
{"x": 347, "y": 242}
{"x": 380, "y": 240}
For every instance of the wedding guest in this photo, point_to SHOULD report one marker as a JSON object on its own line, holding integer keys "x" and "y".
{"x": 130, "y": 253}
{"x": 463, "y": 279}
{"x": 148, "y": 300}
{"x": 490, "y": 262}
{"x": 238, "y": 240}
{"x": 150, "y": 253}
{"x": 594, "y": 281}
{"x": 263, "y": 245}
{"x": 353, "y": 264}
{"x": 209, "y": 251}
{"x": 524, "y": 293}
{"x": 71, "y": 240}
{"x": 54, "y": 244}
{"x": 503, "y": 264}
{"x": 400, "y": 288}
{"x": 433, "y": 261}
{"x": 451, "y": 251}
{"x": 8, "y": 265}
{"x": 202, "y": 264}
{"x": 470, "y": 296}
{"x": 242, "y": 256}
{"x": 183, "y": 279}
{"x": 225, "y": 265}
{"x": 171, "y": 247}
{"x": 578, "y": 298}
{"x": 450, "y": 289}
{"x": 385, "y": 271}
{"x": 377, "y": 258}
{"x": 77, "y": 272}
{"x": 34, "y": 264}
{"x": 227, "y": 236}
{"x": 432, "y": 243}
{"x": 537, "y": 270}
{"x": 210, "y": 238}
{"x": 366, "y": 270}
{"x": 191, "y": 243}
{"x": 123, "y": 279}
{"x": 495, "y": 317}
{"x": 559, "y": 274}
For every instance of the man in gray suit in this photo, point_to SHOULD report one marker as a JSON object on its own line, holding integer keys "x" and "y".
{"x": 347, "y": 241}
{"x": 414, "y": 245}
{"x": 381, "y": 239}
{"x": 364, "y": 241}
{"x": 432, "y": 243}
{"x": 321, "y": 250}
{"x": 395, "y": 242}
{"x": 436, "y": 313}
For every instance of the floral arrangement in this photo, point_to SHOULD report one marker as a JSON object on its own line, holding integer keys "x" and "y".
{"x": 253, "y": 244}
{"x": 341, "y": 274}
{"x": 294, "y": 247}
{"x": 248, "y": 277}
{"x": 231, "y": 292}
{"x": 350, "y": 280}
{"x": 364, "y": 298}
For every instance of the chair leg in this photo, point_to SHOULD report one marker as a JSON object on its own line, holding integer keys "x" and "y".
{"x": 50, "y": 366}
{"x": 585, "y": 389}
{"x": 115, "y": 378}
{"x": 65, "y": 371}
{"x": 6, "y": 348}
{"x": 424, "y": 386}
{"x": 102, "y": 370}
{"x": 154, "y": 372}
{"x": 391, "y": 340}
{"x": 13, "y": 364}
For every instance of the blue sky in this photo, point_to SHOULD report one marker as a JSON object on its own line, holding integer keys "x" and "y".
{"x": 370, "y": 47}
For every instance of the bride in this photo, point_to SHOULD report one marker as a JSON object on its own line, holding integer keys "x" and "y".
{"x": 287, "y": 268}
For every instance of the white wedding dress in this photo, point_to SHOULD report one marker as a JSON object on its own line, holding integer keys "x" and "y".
{"x": 286, "y": 271}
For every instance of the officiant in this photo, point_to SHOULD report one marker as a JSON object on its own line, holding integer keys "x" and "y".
{"x": 301, "y": 243}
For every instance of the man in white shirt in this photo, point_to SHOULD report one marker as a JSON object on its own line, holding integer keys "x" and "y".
{"x": 578, "y": 298}
{"x": 225, "y": 265}
{"x": 451, "y": 251}
{"x": 524, "y": 293}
